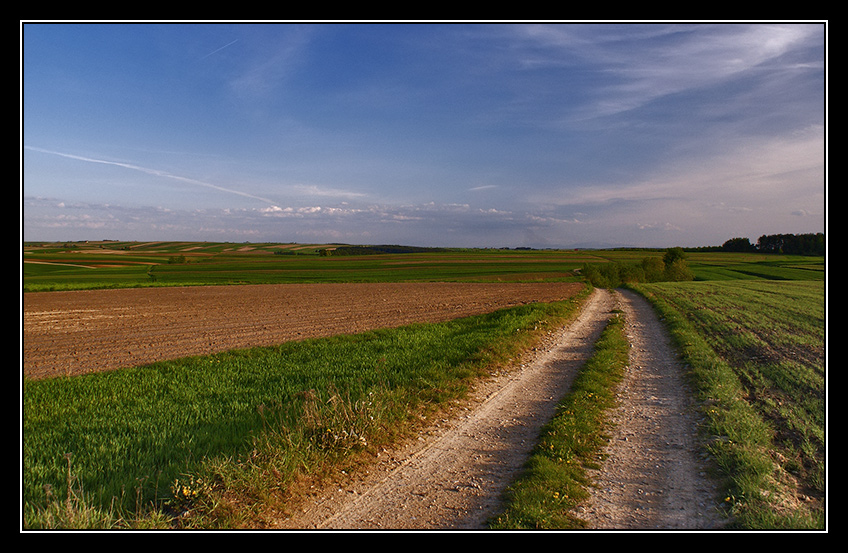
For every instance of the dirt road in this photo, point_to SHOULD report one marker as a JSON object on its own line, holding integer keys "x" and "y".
{"x": 453, "y": 477}
{"x": 654, "y": 477}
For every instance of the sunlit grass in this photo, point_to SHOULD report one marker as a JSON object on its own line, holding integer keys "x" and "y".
{"x": 248, "y": 422}
{"x": 756, "y": 353}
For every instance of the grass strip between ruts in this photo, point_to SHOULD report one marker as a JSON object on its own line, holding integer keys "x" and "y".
{"x": 555, "y": 479}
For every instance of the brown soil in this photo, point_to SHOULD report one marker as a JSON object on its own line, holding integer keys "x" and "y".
{"x": 452, "y": 475}
{"x": 67, "y": 333}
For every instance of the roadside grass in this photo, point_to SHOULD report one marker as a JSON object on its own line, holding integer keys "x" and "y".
{"x": 215, "y": 441}
{"x": 555, "y": 480}
{"x": 755, "y": 352}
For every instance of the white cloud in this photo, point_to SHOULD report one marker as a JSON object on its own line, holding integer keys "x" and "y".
{"x": 267, "y": 64}
{"x": 322, "y": 191}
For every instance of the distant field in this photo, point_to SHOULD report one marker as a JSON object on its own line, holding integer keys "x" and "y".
{"x": 88, "y": 265}
{"x": 741, "y": 266}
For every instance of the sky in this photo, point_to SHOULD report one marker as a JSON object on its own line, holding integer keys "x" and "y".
{"x": 477, "y": 134}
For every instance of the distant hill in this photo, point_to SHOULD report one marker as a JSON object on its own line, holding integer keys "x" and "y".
{"x": 371, "y": 250}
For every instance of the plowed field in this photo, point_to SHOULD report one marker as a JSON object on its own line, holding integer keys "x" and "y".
{"x": 68, "y": 333}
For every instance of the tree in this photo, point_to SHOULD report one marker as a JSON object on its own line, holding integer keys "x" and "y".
{"x": 653, "y": 268}
{"x": 797, "y": 244}
{"x": 676, "y": 266}
{"x": 631, "y": 273}
{"x": 672, "y": 255}
{"x": 737, "y": 245}
{"x": 678, "y": 271}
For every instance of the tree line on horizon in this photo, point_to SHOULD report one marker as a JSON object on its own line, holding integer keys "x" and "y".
{"x": 791, "y": 244}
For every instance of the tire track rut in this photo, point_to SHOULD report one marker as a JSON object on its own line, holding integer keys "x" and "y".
{"x": 453, "y": 477}
{"x": 655, "y": 476}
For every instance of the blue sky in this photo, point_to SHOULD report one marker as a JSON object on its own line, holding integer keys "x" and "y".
{"x": 461, "y": 134}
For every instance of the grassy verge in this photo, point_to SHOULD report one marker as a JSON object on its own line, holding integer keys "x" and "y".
{"x": 555, "y": 480}
{"x": 756, "y": 355}
{"x": 214, "y": 441}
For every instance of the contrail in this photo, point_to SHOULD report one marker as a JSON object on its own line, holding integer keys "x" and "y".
{"x": 219, "y": 49}
{"x": 154, "y": 172}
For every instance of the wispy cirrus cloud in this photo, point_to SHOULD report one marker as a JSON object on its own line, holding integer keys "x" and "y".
{"x": 753, "y": 173}
{"x": 269, "y": 62}
{"x": 215, "y": 51}
{"x": 154, "y": 172}
{"x": 637, "y": 64}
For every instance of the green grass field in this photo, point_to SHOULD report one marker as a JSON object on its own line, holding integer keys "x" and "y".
{"x": 88, "y": 266}
{"x": 756, "y": 352}
{"x": 100, "y": 450}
